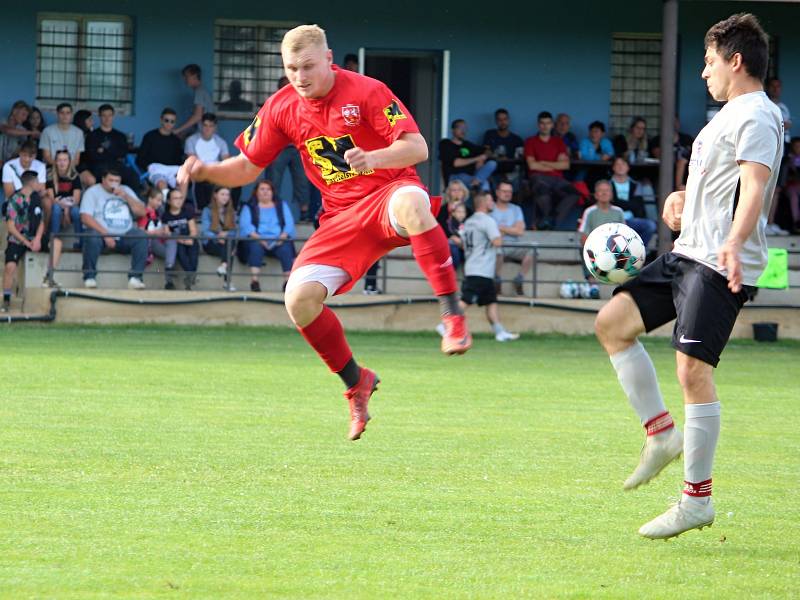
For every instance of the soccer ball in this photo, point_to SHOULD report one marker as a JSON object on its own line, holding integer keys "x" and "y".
{"x": 614, "y": 253}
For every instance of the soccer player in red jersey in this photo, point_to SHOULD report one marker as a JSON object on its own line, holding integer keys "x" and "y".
{"x": 359, "y": 145}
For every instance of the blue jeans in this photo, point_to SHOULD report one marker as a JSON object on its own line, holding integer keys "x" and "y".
{"x": 481, "y": 175}
{"x": 289, "y": 158}
{"x": 283, "y": 252}
{"x": 457, "y": 253}
{"x": 134, "y": 243}
{"x": 57, "y": 217}
{"x": 187, "y": 257}
{"x": 644, "y": 227}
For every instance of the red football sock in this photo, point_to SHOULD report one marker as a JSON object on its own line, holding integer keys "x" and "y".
{"x": 433, "y": 256}
{"x": 326, "y": 335}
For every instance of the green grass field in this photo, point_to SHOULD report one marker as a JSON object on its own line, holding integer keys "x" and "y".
{"x": 150, "y": 462}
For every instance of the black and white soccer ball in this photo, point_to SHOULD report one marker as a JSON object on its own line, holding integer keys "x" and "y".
{"x": 614, "y": 253}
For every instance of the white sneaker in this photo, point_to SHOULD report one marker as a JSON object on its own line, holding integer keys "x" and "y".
{"x": 585, "y": 291}
{"x": 658, "y": 451}
{"x": 90, "y": 283}
{"x": 134, "y": 283}
{"x": 682, "y": 516}
{"x": 222, "y": 270}
{"x": 506, "y": 336}
{"x": 441, "y": 329}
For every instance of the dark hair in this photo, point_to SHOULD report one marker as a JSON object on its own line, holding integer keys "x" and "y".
{"x": 742, "y": 34}
{"x": 28, "y": 176}
{"x": 254, "y": 193}
{"x": 111, "y": 171}
{"x": 171, "y": 191}
{"x": 636, "y": 120}
{"x": 192, "y": 69}
{"x": 350, "y": 58}
{"x": 455, "y": 123}
{"x": 210, "y": 117}
{"x": 622, "y": 158}
{"x": 20, "y": 104}
{"x": 544, "y": 115}
{"x": 104, "y": 108}
{"x": 79, "y": 119}
{"x": 63, "y": 105}
{"x": 500, "y": 111}
{"x": 598, "y": 124}
{"x": 41, "y": 125}
{"x": 169, "y": 111}
{"x": 504, "y": 182}
{"x": 29, "y": 147}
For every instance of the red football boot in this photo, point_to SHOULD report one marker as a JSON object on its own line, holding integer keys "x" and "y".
{"x": 358, "y": 397}
{"x": 456, "y": 338}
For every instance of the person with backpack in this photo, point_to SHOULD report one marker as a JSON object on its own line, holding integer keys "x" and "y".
{"x": 268, "y": 221}
{"x": 25, "y": 228}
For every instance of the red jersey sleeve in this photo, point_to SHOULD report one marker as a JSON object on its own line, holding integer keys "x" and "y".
{"x": 387, "y": 115}
{"x": 263, "y": 139}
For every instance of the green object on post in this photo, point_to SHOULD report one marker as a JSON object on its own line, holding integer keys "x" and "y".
{"x": 776, "y": 275}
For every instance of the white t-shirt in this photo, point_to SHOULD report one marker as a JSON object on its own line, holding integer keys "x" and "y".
{"x": 748, "y": 128}
{"x": 13, "y": 169}
{"x": 209, "y": 151}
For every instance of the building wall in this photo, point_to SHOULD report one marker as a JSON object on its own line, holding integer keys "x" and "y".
{"x": 541, "y": 56}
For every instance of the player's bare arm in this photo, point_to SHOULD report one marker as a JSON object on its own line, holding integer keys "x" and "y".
{"x": 673, "y": 209}
{"x": 231, "y": 172}
{"x": 408, "y": 150}
{"x": 753, "y": 177}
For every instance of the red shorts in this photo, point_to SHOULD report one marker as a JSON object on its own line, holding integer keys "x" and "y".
{"x": 354, "y": 239}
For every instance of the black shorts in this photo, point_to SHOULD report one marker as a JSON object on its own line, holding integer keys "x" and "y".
{"x": 14, "y": 252}
{"x": 478, "y": 290}
{"x": 706, "y": 310}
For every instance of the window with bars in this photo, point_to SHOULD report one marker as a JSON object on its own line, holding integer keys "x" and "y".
{"x": 247, "y": 64}
{"x": 85, "y": 60}
{"x": 635, "y": 81}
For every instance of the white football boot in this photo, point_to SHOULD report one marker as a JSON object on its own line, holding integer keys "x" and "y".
{"x": 681, "y": 517}
{"x": 658, "y": 451}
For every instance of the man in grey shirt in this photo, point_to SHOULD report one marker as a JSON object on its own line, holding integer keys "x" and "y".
{"x": 482, "y": 238}
{"x": 202, "y": 102}
{"x": 62, "y": 136}
{"x": 511, "y": 223}
{"x": 108, "y": 212}
{"x": 708, "y": 276}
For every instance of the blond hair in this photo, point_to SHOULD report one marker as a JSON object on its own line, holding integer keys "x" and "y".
{"x": 303, "y": 36}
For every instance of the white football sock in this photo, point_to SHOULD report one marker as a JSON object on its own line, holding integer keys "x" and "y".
{"x": 637, "y": 375}
{"x": 701, "y": 432}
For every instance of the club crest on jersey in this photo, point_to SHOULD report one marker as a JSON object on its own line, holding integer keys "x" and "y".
{"x": 351, "y": 114}
{"x": 250, "y": 132}
{"x": 393, "y": 113}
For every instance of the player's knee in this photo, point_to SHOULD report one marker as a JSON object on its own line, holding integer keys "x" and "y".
{"x": 604, "y": 325}
{"x": 303, "y": 304}
{"x": 694, "y": 375}
{"x": 410, "y": 208}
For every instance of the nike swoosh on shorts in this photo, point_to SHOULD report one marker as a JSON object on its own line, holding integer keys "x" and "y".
{"x": 685, "y": 340}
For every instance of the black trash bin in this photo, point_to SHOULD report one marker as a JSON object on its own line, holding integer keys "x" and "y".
{"x": 765, "y": 332}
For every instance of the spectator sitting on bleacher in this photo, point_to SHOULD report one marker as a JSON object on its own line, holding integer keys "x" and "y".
{"x": 454, "y": 230}
{"x": 628, "y": 197}
{"x": 455, "y": 192}
{"x": 107, "y": 147}
{"x": 548, "y": 158}
{"x": 596, "y": 146}
{"x": 634, "y": 146}
{"x": 14, "y": 131}
{"x": 507, "y": 147}
{"x": 562, "y": 129}
{"x": 63, "y": 197}
{"x": 218, "y": 224}
{"x": 35, "y": 125}
{"x": 179, "y": 218}
{"x": 25, "y": 225}
{"x": 463, "y": 160}
{"x": 83, "y": 120}
{"x": 161, "y": 152}
{"x": 209, "y": 147}
{"x": 150, "y": 223}
{"x": 108, "y": 210}
{"x": 511, "y": 224}
{"x": 599, "y": 213}
{"x": 14, "y": 168}
{"x": 266, "y": 216}
{"x": 62, "y": 135}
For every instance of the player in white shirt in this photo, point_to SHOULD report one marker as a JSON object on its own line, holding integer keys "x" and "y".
{"x": 707, "y": 277}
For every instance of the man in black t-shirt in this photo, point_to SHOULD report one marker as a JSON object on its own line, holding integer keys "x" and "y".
{"x": 107, "y": 147}
{"x": 161, "y": 152}
{"x": 463, "y": 160}
{"x": 507, "y": 148}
